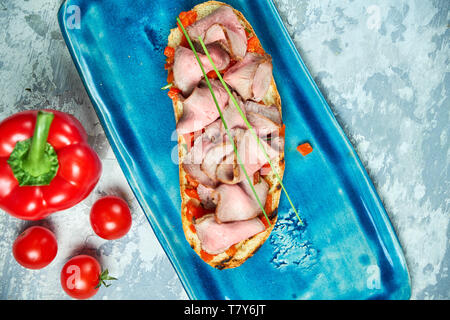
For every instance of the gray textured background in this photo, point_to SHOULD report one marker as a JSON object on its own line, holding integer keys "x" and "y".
{"x": 383, "y": 66}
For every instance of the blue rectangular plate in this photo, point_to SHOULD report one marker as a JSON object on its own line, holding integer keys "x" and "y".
{"x": 347, "y": 248}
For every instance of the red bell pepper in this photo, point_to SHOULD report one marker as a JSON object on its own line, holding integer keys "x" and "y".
{"x": 46, "y": 164}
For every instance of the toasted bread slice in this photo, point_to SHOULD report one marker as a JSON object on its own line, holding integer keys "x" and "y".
{"x": 243, "y": 250}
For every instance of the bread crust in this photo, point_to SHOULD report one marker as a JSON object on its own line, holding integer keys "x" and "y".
{"x": 247, "y": 248}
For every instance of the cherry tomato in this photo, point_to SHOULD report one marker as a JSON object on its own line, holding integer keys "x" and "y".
{"x": 81, "y": 277}
{"x": 110, "y": 218}
{"x": 35, "y": 248}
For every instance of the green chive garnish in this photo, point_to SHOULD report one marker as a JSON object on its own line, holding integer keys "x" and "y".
{"x": 168, "y": 86}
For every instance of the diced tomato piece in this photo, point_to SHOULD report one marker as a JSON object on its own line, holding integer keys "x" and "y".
{"x": 212, "y": 74}
{"x": 305, "y": 149}
{"x": 264, "y": 221}
{"x": 231, "y": 251}
{"x": 187, "y": 18}
{"x": 170, "y": 77}
{"x": 169, "y": 52}
{"x": 194, "y": 211}
{"x": 268, "y": 205}
{"x": 192, "y": 227}
{"x": 192, "y": 193}
{"x": 282, "y": 130}
{"x": 206, "y": 256}
{"x": 173, "y": 93}
{"x": 256, "y": 177}
{"x": 191, "y": 181}
{"x": 189, "y": 214}
{"x": 254, "y": 45}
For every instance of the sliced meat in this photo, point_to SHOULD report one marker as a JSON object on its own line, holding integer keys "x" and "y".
{"x": 200, "y": 110}
{"x": 232, "y": 33}
{"x": 263, "y": 126}
{"x": 238, "y": 202}
{"x": 202, "y": 145}
{"x": 270, "y": 112}
{"x": 216, "y": 237}
{"x": 214, "y": 132}
{"x": 261, "y": 188}
{"x": 237, "y": 43}
{"x": 215, "y": 33}
{"x": 207, "y": 197}
{"x": 251, "y": 154}
{"x": 262, "y": 80}
{"x": 218, "y": 55}
{"x": 193, "y": 160}
{"x": 228, "y": 171}
{"x": 277, "y": 143}
{"x": 240, "y": 76}
{"x": 215, "y": 156}
{"x": 194, "y": 171}
{"x": 233, "y": 204}
{"x": 186, "y": 71}
{"x": 232, "y": 116}
{"x": 234, "y": 43}
{"x": 250, "y": 77}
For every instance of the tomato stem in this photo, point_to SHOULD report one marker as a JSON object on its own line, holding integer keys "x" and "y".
{"x": 104, "y": 276}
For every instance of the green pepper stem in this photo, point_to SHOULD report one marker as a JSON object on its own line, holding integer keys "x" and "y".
{"x": 35, "y": 162}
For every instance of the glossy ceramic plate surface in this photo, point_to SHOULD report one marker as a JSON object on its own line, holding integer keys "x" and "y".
{"x": 347, "y": 248}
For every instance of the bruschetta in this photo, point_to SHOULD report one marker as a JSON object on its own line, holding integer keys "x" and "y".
{"x": 222, "y": 219}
